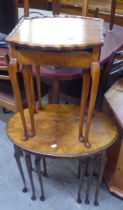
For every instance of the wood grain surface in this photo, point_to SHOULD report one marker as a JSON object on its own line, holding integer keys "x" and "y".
{"x": 57, "y": 132}
{"x": 58, "y": 32}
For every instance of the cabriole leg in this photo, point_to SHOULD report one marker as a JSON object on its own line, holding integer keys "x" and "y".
{"x": 91, "y": 170}
{"x": 29, "y": 168}
{"x": 102, "y": 167}
{"x": 82, "y": 173}
{"x": 17, "y": 155}
{"x": 37, "y": 164}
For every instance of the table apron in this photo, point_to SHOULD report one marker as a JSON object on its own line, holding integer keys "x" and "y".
{"x": 76, "y": 59}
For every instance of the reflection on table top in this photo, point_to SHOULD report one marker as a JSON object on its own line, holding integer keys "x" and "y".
{"x": 58, "y": 33}
{"x": 112, "y": 40}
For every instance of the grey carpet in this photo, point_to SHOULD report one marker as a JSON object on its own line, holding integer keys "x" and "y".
{"x": 60, "y": 185}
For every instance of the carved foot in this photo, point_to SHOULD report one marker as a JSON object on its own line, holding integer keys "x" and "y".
{"x": 25, "y": 190}
{"x": 24, "y": 137}
{"x": 42, "y": 198}
{"x": 87, "y": 144}
{"x": 96, "y": 203}
{"x": 81, "y": 138}
{"x": 87, "y": 201}
{"x": 33, "y": 198}
{"x": 31, "y": 133}
{"x": 79, "y": 200}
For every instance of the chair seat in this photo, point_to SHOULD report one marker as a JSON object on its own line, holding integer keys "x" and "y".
{"x": 57, "y": 131}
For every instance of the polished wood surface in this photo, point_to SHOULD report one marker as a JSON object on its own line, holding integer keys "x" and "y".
{"x": 68, "y": 33}
{"x": 70, "y": 49}
{"x": 114, "y": 169}
{"x": 57, "y": 132}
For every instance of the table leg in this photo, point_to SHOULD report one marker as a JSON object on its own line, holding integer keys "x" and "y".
{"x": 82, "y": 173}
{"x": 102, "y": 167}
{"x": 86, "y": 168}
{"x": 17, "y": 156}
{"x": 17, "y": 94}
{"x": 79, "y": 169}
{"x": 113, "y": 8}
{"x": 32, "y": 91}
{"x": 27, "y": 75}
{"x": 29, "y": 169}
{"x": 38, "y": 81}
{"x": 37, "y": 164}
{"x": 95, "y": 73}
{"x": 85, "y": 92}
{"x": 45, "y": 167}
{"x": 91, "y": 170}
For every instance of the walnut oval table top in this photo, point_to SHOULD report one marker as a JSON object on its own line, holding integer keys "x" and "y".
{"x": 57, "y": 131}
{"x": 58, "y": 33}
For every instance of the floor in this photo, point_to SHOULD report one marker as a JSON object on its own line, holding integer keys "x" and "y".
{"x": 60, "y": 185}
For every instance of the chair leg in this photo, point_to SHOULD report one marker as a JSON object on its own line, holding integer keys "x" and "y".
{"x": 82, "y": 173}
{"x": 91, "y": 164}
{"x": 37, "y": 164}
{"x": 17, "y": 155}
{"x": 45, "y": 167}
{"x": 29, "y": 168}
{"x": 112, "y": 17}
{"x": 102, "y": 167}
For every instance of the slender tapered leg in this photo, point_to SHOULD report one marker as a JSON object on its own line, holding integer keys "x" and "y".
{"x": 45, "y": 167}
{"x": 32, "y": 92}
{"x": 102, "y": 167}
{"x": 91, "y": 170}
{"x": 78, "y": 175}
{"x": 38, "y": 82}
{"x": 85, "y": 91}
{"x": 82, "y": 172}
{"x": 37, "y": 164}
{"x": 86, "y": 168}
{"x": 17, "y": 156}
{"x": 27, "y": 75}
{"x": 95, "y": 73}
{"x": 29, "y": 168}
{"x": 17, "y": 94}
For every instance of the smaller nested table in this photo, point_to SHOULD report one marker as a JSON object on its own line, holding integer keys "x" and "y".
{"x": 58, "y": 41}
